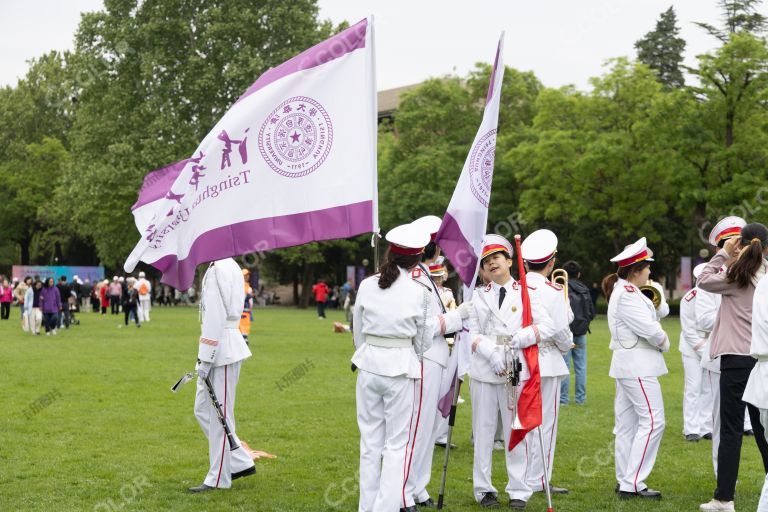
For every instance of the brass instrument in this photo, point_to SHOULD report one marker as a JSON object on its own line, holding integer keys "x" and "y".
{"x": 652, "y": 293}
{"x": 560, "y": 276}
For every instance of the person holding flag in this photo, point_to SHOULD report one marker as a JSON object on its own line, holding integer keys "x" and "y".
{"x": 539, "y": 250}
{"x": 435, "y": 363}
{"x": 392, "y": 330}
{"x": 638, "y": 343}
{"x": 495, "y": 331}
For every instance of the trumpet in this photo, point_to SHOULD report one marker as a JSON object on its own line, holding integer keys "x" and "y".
{"x": 652, "y": 293}
{"x": 560, "y": 276}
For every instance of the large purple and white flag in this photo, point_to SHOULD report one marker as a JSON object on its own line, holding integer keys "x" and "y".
{"x": 461, "y": 234}
{"x": 292, "y": 161}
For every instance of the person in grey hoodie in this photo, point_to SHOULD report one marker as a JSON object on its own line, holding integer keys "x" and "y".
{"x": 734, "y": 273}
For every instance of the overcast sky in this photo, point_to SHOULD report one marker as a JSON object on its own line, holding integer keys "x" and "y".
{"x": 562, "y": 41}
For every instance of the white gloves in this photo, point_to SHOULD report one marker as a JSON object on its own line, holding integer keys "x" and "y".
{"x": 465, "y": 309}
{"x": 204, "y": 369}
{"x": 524, "y": 338}
{"x": 497, "y": 364}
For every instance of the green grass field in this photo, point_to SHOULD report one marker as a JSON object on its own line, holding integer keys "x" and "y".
{"x": 113, "y": 437}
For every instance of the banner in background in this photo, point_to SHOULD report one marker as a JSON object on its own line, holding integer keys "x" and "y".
{"x": 44, "y": 271}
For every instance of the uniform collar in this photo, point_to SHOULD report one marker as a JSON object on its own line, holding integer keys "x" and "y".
{"x": 508, "y": 285}
{"x": 535, "y": 276}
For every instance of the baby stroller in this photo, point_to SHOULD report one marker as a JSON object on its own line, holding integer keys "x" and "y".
{"x": 72, "y": 308}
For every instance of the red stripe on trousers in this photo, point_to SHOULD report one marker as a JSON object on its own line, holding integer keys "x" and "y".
{"x": 647, "y": 441}
{"x": 223, "y": 444}
{"x": 405, "y": 459}
{"x": 415, "y": 430}
{"x": 551, "y": 437}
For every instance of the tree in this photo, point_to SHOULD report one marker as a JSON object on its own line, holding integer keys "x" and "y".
{"x": 152, "y": 79}
{"x": 662, "y": 50}
{"x": 738, "y": 16}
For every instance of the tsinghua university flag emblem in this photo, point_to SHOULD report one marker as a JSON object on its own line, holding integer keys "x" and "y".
{"x": 291, "y": 162}
{"x": 296, "y": 137}
{"x": 481, "y": 167}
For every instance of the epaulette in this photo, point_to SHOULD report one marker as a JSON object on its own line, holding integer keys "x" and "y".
{"x": 488, "y": 287}
{"x": 416, "y": 273}
{"x": 515, "y": 285}
{"x": 555, "y": 286}
{"x": 690, "y": 296}
{"x": 629, "y": 288}
{"x": 531, "y": 287}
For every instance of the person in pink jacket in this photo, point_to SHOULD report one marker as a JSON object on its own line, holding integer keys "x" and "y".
{"x": 6, "y": 297}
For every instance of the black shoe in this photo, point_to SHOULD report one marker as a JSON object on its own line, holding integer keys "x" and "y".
{"x": 707, "y": 436}
{"x": 409, "y": 509}
{"x": 554, "y": 490}
{"x": 645, "y": 493}
{"x": 427, "y": 503}
{"x": 201, "y": 488}
{"x": 246, "y": 472}
{"x": 489, "y": 501}
{"x": 517, "y": 504}
{"x": 749, "y": 432}
{"x": 442, "y": 445}
{"x": 693, "y": 438}
{"x": 618, "y": 488}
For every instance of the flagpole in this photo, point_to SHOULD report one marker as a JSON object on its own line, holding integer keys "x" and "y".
{"x": 451, "y": 421}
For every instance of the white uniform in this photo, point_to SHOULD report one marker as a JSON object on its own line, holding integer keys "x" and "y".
{"x": 435, "y": 362}
{"x": 637, "y": 341}
{"x": 552, "y": 368}
{"x": 389, "y": 327}
{"x": 440, "y": 432}
{"x": 221, "y": 344}
{"x": 756, "y": 392}
{"x": 145, "y": 303}
{"x": 489, "y": 324}
{"x": 697, "y": 395}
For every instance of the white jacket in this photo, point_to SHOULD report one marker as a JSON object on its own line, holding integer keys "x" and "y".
{"x": 692, "y": 339}
{"x": 756, "y": 392}
{"x": 221, "y": 306}
{"x": 439, "y": 351}
{"x": 488, "y": 322}
{"x": 637, "y": 339}
{"x": 552, "y": 298}
{"x": 400, "y": 314}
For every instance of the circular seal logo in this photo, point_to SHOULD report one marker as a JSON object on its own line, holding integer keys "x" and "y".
{"x": 296, "y": 137}
{"x": 481, "y": 167}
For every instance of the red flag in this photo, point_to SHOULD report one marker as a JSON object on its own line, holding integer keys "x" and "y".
{"x": 529, "y": 402}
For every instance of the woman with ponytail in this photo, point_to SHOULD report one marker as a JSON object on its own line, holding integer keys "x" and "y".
{"x": 734, "y": 273}
{"x": 637, "y": 342}
{"x": 392, "y": 331}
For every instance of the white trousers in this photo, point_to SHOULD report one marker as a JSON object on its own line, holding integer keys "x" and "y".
{"x": 488, "y": 401}
{"x": 697, "y": 398}
{"x": 385, "y": 407}
{"x": 223, "y": 462}
{"x": 550, "y": 408}
{"x": 423, "y": 440}
{"x": 144, "y": 306}
{"x": 762, "y": 506}
{"x": 639, "y": 410}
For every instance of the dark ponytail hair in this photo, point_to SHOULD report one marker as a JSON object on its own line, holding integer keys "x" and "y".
{"x": 610, "y": 280}
{"x": 755, "y": 238}
{"x": 390, "y": 270}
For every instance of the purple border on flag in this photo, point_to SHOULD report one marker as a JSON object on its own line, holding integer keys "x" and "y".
{"x": 266, "y": 234}
{"x": 457, "y": 249}
{"x": 157, "y": 183}
{"x": 337, "y": 46}
{"x": 493, "y": 74}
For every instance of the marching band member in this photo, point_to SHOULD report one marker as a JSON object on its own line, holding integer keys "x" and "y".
{"x": 707, "y": 307}
{"x": 637, "y": 341}
{"x": 220, "y": 354}
{"x": 392, "y": 330}
{"x": 731, "y": 340}
{"x": 495, "y": 327}
{"x": 539, "y": 250}
{"x": 439, "y": 273}
{"x": 756, "y": 392}
{"x": 435, "y": 361}
{"x": 697, "y": 394}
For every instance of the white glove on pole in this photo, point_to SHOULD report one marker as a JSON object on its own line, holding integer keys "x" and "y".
{"x": 204, "y": 369}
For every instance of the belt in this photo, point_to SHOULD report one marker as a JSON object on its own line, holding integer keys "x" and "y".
{"x": 762, "y": 359}
{"x": 546, "y": 344}
{"x": 503, "y": 339}
{"x": 380, "y": 341}
{"x": 233, "y": 324}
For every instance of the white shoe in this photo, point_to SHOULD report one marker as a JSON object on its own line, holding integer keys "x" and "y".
{"x": 498, "y": 445}
{"x": 460, "y": 400}
{"x": 48, "y": 333}
{"x": 717, "y": 505}
{"x": 55, "y": 332}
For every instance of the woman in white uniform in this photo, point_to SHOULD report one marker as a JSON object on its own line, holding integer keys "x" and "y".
{"x": 637, "y": 341}
{"x": 391, "y": 332}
